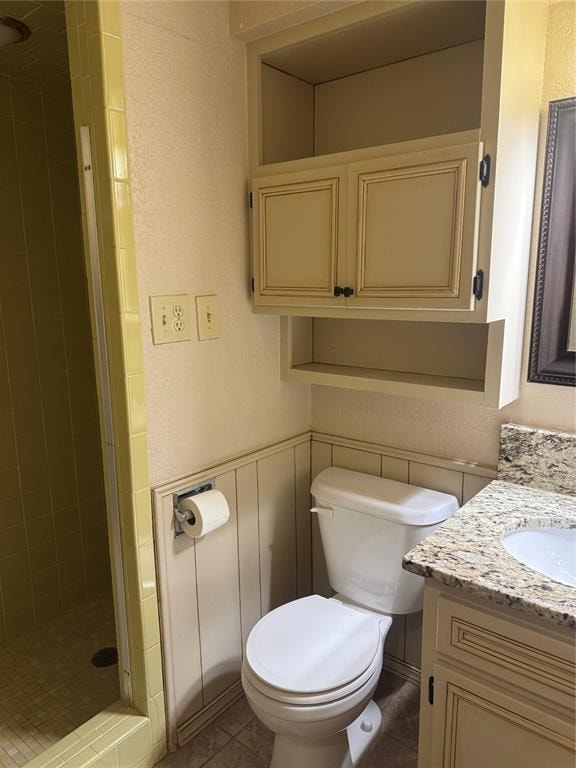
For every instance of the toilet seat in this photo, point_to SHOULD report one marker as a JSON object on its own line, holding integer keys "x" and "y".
{"x": 313, "y": 651}
{"x": 307, "y": 700}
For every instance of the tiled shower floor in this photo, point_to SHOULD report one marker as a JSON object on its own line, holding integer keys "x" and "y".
{"x": 48, "y": 686}
{"x": 238, "y": 740}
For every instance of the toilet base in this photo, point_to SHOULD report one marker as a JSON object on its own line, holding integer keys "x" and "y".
{"x": 344, "y": 749}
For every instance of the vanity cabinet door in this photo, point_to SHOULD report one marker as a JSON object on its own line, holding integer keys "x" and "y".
{"x": 298, "y": 223}
{"x": 477, "y": 726}
{"x": 413, "y": 229}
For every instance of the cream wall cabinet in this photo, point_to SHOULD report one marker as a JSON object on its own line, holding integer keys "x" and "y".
{"x": 496, "y": 689}
{"x": 393, "y": 231}
{"x": 365, "y": 85}
{"x": 369, "y": 129}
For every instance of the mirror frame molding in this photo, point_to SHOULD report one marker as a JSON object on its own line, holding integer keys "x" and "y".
{"x": 551, "y": 361}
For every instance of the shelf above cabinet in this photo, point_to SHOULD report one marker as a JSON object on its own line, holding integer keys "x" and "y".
{"x": 397, "y": 76}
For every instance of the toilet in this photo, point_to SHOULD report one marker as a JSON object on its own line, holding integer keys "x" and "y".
{"x": 311, "y": 666}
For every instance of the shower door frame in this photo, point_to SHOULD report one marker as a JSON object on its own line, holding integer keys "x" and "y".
{"x": 106, "y": 422}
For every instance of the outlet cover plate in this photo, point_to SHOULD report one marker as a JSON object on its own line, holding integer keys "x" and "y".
{"x": 170, "y": 318}
{"x": 207, "y": 317}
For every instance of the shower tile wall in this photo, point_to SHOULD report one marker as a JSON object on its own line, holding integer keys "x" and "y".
{"x": 53, "y": 540}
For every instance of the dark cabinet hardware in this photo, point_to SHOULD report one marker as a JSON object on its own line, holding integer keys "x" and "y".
{"x": 478, "y": 284}
{"x": 431, "y": 690}
{"x": 485, "y": 170}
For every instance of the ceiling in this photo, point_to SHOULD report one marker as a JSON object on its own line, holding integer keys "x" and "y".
{"x": 43, "y": 58}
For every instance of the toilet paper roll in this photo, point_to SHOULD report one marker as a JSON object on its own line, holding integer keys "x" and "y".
{"x": 203, "y": 513}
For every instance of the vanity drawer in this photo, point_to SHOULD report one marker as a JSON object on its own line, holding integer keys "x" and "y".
{"x": 511, "y": 652}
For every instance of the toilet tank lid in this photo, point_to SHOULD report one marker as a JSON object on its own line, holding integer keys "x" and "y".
{"x": 380, "y": 497}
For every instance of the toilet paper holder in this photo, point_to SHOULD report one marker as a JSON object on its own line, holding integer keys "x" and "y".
{"x": 182, "y": 516}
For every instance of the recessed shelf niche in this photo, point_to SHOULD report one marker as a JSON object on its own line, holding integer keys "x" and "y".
{"x": 411, "y": 73}
{"x": 459, "y": 362}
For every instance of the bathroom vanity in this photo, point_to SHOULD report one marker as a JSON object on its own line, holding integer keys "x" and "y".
{"x": 498, "y": 660}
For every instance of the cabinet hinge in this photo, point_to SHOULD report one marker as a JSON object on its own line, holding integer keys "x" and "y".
{"x": 478, "y": 284}
{"x": 250, "y": 199}
{"x": 431, "y": 690}
{"x": 485, "y": 170}
{"x": 252, "y": 284}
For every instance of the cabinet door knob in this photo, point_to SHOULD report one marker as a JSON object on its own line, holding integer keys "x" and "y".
{"x": 348, "y": 291}
{"x": 338, "y": 291}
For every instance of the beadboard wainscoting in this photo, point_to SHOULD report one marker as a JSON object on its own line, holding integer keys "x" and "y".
{"x": 213, "y": 590}
{"x": 462, "y": 479}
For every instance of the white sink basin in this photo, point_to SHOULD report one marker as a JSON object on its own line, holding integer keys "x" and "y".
{"x": 551, "y": 551}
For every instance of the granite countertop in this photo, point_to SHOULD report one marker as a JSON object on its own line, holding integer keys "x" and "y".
{"x": 466, "y": 552}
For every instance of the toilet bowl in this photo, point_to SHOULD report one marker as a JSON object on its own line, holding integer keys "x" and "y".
{"x": 310, "y": 670}
{"x": 311, "y": 666}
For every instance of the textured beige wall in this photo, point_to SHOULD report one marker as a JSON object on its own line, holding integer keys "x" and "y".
{"x": 187, "y": 134}
{"x": 460, "y": 431}
{"x": 53, "y": 538}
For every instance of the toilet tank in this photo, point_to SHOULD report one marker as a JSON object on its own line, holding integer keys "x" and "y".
{"x": 367, "y": 524}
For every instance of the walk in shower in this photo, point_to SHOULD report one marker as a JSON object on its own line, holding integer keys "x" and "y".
{"x": 56, "y": 607}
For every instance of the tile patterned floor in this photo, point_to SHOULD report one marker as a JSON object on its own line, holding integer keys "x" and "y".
{"x": 48, "y": 686}
{"x": 238, "y": 740}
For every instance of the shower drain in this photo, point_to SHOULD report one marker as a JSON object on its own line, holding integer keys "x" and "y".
{"x": 105, "y": 657}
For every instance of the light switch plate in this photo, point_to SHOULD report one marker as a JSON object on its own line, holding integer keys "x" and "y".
{"x": 208, "y": 317}
{"x": 170, "y": 318}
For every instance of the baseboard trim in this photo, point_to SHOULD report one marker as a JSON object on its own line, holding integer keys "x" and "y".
{"x": 187, "y": 730}
{"x": 402, "y": 669}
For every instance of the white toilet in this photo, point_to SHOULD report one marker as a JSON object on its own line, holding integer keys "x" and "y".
{"x": 312, "y": 665}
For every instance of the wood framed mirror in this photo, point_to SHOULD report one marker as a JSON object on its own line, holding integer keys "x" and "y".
{"x": 553, "y": 342}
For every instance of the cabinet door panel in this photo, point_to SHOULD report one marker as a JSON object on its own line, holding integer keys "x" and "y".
{"x": 414, "y": 229}
{"x": 476, "y": 726}
{"x": 515, "y": 653}
{"x": 298, "y": 222}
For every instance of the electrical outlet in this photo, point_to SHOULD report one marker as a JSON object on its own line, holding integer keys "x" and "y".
{"x": 170, "y": 318}
{"x": 208, "y": 317}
